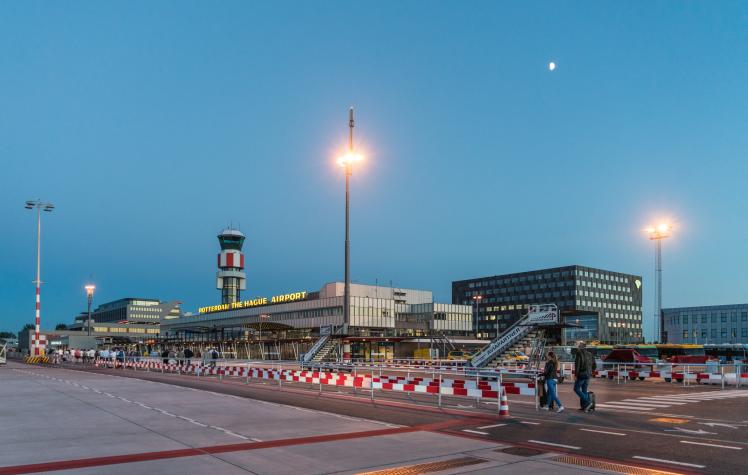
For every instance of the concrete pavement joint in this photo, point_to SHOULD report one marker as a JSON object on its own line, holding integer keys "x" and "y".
{"x": 156, "y": 409}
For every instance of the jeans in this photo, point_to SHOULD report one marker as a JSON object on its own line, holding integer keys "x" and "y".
{"x": 580, "y": 387}
{"x": 552, "y": 395}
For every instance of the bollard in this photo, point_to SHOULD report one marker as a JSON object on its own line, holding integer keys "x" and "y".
{"x": 440, "y": 390}
{"x": 372, "y": 382}
{"x": 722, "y": 370}
{"x": 738, "y": 374}
{"x": 618, "y": 373}
{"x": 477, "y": 384}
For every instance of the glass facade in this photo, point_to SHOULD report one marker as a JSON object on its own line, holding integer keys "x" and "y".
{"x": 613, "y": 297}
{"x": 370, "y": 316}
{"x": 705, "y": 325}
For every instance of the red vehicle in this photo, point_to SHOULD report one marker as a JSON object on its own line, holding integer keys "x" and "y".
{"x": 626, "y": 355}
{"x": 691, "y": 359}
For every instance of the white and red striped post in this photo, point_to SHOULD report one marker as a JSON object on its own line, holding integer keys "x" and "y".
{"x": 39, "y": 205}
{"x": 37, "y": 343}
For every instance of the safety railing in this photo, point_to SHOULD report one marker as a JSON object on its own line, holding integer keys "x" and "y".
{"x": 318, "y": 345}
{"x": 484, "y": 386}
{"x": 3, "y": 352}
{"x": 723, "y": 374}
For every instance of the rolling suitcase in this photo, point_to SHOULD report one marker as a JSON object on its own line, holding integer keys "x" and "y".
{"x": 592, "y": 400}
{"x": 543, "y": 395}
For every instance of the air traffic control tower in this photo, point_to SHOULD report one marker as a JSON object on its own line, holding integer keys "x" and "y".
{"x": 230, "y": 278}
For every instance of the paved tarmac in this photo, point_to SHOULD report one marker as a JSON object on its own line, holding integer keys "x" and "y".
{"x": 58, "y": 420}
{"x": 121, "y": 421}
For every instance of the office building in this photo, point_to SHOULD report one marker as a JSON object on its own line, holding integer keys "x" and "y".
{"x": 715, "y": 324}
{"x": 132, "y": 310}
{"x": 603, "y": 305}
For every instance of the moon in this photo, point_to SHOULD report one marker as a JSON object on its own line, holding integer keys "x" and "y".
{"x": 551, "y": 66}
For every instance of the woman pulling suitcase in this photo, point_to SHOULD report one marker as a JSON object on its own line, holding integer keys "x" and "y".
{"x": 550, "y": 373}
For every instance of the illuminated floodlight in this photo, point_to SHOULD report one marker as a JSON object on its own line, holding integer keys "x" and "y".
{"x": 349, "y": 159}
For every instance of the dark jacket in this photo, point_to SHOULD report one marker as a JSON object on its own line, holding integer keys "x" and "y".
{"x": 550, "y": 371}
{"x": 583, "y": 363}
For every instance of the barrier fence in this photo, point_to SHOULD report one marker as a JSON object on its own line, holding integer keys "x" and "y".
{"x": 483, "y": 388}
{"x": 734, "y": 374}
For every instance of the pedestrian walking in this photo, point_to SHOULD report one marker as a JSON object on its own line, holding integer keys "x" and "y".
{"x": 584, "y": 364}
{"x": 550, "y": 373}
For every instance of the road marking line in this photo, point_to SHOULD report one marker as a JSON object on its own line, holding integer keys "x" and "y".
{"x": 669, "y": 461}
{"x": 491, "y": 426}
{"x": 625, "y": 408}
{"x": 711, "y": 445}
{"x": 555, "y": 445}
{"x": 199, "y": 424}
{"x": 672, "y": 402}
{"x": 475, "y": 432}
{"x": 641, "y": 403}
{"x": 530, "y": 423}
{"x": 603, "y": 432}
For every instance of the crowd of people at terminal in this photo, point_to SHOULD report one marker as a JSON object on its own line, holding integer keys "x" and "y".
{"x": 119, "y": 355}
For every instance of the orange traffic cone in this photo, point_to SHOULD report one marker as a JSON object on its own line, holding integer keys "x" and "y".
{"x": 503, "y": 404}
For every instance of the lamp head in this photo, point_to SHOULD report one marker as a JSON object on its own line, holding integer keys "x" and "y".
{"x": 90, "y": 289}
{"x": 349, "y": 159}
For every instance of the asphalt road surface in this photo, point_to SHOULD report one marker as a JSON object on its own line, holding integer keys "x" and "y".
{"x": 693, "y": 429}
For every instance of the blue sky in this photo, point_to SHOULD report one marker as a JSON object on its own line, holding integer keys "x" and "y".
{"x": 152, "y": 125}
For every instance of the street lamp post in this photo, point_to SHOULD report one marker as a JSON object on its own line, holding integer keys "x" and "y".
{"x": 89, "y": 293}
{"x": 657, "y": 234}
{"x": 48, "y": 207}
{"x": 476, "y": 301}
{"x": 347, "y": 162}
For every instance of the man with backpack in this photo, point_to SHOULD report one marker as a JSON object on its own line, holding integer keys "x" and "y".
{"x": 584, "y": 364}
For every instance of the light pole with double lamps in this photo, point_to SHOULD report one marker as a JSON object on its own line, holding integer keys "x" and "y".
{"x": 48, "y": 207}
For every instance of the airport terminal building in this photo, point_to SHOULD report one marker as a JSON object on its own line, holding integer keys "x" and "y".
{"x": 380, "y": 318}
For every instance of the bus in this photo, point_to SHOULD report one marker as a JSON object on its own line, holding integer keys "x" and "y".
{"x": 670, "y": 349}
{"x": 727, "y": 351}
{"x": 598, "y": 350}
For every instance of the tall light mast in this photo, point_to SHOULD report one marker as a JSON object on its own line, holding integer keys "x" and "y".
{"x": 37, "y": 345}
{"x": 657, "y": 234}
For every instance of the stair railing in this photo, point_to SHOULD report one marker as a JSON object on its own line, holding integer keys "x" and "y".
{"x": 500, "y": 343}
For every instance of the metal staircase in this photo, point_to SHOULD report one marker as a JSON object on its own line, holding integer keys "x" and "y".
{"x": 516, "y": 336}
{"x": 311, "y": 355}
{"x": 538, "y": 353}
{"x": 325, "y": 351}
{"x": 442, "y": 342}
